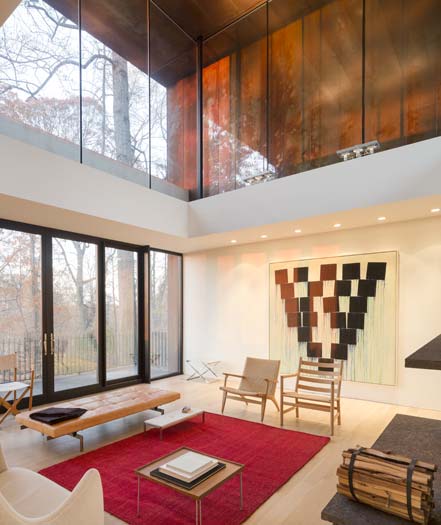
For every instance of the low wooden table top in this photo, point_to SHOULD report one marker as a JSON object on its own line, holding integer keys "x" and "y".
{"x": 416, "y": 437}
{"x": 232, "y": 468}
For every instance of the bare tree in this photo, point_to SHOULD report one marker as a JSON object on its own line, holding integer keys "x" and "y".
{"x": 39, "y": 62}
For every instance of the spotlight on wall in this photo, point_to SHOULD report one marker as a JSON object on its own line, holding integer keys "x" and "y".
{"x": 359, "y": 150}
{"x": 249, "y": 180}
{"x": 233, "y": 241}
{"x": 381, "y": 219}
{"x": 337, "y": 225}
{"x": 435, "y": 210}
{"x": 298, "y": 230}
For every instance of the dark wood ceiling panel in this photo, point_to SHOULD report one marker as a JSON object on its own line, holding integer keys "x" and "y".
{"x": 172, "y": 53}
{"x": 204, "y": 17}
{"x": 121, "y": 25}
{"x": 254, "y": 26}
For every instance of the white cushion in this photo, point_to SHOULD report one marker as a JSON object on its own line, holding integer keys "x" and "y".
{"x": 10, "y": 387}
{"x": 31, "y": 494}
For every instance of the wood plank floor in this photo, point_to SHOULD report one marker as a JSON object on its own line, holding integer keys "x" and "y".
{"x": 299, "y": 502}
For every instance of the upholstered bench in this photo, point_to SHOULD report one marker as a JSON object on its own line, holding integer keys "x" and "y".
{"x": 101, "y": 408}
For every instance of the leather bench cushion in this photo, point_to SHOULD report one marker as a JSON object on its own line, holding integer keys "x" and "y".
{"x": 102, "y": 408}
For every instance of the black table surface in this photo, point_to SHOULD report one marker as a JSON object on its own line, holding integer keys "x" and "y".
{"x": 411, "y": 436}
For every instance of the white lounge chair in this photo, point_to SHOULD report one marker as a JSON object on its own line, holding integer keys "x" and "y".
{"x": 29, "y": 498}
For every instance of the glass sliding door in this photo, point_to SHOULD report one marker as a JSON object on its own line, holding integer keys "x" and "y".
{"x": 21, "y": 303}
{"x": 165, "y": 314}
{"x": 122, "y": 343}
{"x": 85, "y": 313}
{"x": 74, "y": 339}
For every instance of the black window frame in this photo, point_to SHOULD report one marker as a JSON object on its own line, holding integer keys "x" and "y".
{"x": 143, "y": 310}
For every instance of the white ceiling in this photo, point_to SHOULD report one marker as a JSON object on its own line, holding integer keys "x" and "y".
{"x": 48, "y": 216}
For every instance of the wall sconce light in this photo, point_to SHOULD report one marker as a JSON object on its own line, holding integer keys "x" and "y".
{"x": 359, "y": 150}
{"x": 260, "y": 177}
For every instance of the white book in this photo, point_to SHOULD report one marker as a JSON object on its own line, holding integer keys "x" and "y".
{"x": 191, "y": 463}
{"x": 165, "y": 469}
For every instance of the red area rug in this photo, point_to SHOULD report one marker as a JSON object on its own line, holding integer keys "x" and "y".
{"x": 271, "y": 456}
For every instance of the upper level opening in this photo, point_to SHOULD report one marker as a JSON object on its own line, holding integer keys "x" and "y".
{"x": 206, "y": 99}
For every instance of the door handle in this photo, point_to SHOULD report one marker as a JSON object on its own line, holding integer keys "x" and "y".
{"x": 45, "y": 344}
{"x": 52, "y": 344}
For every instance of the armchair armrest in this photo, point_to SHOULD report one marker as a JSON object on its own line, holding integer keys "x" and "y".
{"x": 286, "y": 376}
{"x": 269, "y": 382}
{"x": 227, "y": 375}
{"x": 84, "y": 505}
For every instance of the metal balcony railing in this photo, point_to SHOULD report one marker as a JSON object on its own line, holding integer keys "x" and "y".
{"x": 79, "y": 354}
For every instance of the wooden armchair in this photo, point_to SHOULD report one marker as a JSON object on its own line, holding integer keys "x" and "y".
{"x": 8, "y": 363}
{"x": 257, "y": 385}
{"x": 317, "y": 387}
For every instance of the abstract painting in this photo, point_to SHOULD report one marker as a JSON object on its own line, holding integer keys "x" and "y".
{"x": 340, "y": 307}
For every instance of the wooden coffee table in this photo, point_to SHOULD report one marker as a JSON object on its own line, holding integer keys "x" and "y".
{"x": 200, "y": 491}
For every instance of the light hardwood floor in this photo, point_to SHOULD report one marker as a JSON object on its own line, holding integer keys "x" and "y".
{"x": 298, "y": 502}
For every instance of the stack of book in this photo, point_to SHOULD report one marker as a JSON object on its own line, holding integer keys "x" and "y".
{"x": 189, "y": 469}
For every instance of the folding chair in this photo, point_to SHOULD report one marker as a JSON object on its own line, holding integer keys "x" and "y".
{"x": 8, "y": 363}
{"x": 201, "y": 368}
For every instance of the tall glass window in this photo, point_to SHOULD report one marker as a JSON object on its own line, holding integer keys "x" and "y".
{"x": 172, "y": 102}
{"x": 75, "y": 312}
{"x": 235, "y": 104}
{"x": 39, "y": 75}
{"x": 121, "y": 313}
{"x": 115, "y": 86}
{"x": 20, "y": 303}
{"x": 165, "y": 313}
{"x": 315, "y": 83}
{"x": 403, "y": 74}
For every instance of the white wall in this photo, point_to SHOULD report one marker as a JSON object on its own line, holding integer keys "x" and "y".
{"x": 226, "y": 300}
{"x": 398, "y": 174}
{"x": 33, "y": 174}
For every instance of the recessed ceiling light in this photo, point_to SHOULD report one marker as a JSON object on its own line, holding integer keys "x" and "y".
{"x": 264, "y": 236}
{"x": 337, "y": 225}
{"x": 435, "y": 210}
{"x": 233, "y": 241}
{"x": 381, "y": 218}
{"x": 298, "y": 231}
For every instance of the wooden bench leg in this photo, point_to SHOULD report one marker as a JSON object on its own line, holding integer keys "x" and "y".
{"x": 160, "y": 410}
